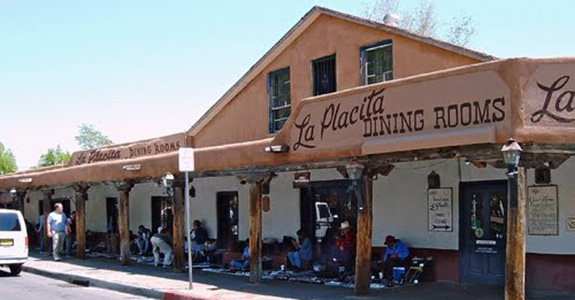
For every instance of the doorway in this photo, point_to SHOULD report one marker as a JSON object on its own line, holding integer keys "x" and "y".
{"x": 228, "y": 219}
{"x": 65, "y": 203}
{"x": 483, "y": 232}
{"x": 323, "y": 207}
{"x": 112, "y": 215}
{"x": 162, "y": 214}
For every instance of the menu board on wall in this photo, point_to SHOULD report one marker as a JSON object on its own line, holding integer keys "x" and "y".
{"x": 440, "y": 210}
{"x": 543, "y": 210}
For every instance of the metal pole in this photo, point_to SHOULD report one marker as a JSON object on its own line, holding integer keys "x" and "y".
{"x": 187, "y": 197}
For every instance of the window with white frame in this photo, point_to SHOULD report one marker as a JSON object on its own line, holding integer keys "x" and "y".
{"x": 279, "y": 98}
{"x": 377, "y": 62}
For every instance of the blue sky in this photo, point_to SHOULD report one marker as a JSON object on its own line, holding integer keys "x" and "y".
{"x": 141, "y": 69}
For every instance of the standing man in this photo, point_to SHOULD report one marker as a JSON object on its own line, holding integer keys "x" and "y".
{"x": 40, "y": 231}
{"x": 56, "y": 226}
{"x": 70, "y": 233}
{"x": 161, "y": 242}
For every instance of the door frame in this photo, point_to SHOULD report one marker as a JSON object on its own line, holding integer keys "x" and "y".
{"x": 462, "y": 186}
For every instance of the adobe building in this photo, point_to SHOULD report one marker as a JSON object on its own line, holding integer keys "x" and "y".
{"x": 425, "y": 119}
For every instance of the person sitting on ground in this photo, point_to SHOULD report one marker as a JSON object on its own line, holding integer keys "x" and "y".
{"x": 143, "y": 240}
{"x": 394, "y": 256}
{"x": 244, "y": 263}
{"x": 303, "y": 250}
{"x": 344, "y": 247}
{"x": 199, "y": 236}
{"x": 161, "y": 242}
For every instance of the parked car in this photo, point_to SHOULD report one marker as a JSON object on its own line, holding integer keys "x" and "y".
{"x": 13, "y": 240}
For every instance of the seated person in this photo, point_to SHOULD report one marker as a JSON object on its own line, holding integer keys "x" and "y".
{"x": 143, "y": 240}
{"x": 244, "y": 263}
{"x": 344, "y": 248}
{"x": 394, "y": 256}
{"x": 303, "y": 250}
{"x": 199, "y": 237}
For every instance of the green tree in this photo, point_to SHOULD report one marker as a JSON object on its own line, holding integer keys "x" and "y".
{"x": 7, "y": 161}
{"x": 88, "y": 137}
{"x": 55, "y": 156}
{"x": 423, "y": 20}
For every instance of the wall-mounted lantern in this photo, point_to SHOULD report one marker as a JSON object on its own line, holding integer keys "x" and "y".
{"x": 433, "y": 180}
{"x": 355, "y": 172}
{"x": 542, "y": 175}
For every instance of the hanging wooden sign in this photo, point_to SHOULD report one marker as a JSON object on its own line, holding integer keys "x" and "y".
{"x": 543, "y": 210}
{"x": 440, "y": 210}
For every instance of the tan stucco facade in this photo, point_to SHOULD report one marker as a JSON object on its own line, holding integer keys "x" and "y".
{"x": 246, "y": 116}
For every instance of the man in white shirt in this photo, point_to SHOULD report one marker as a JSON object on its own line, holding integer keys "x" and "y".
{"x": 56, "y": 226}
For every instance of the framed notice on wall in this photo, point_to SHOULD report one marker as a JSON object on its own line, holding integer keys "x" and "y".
{"x": 440, "y": 210}
{"x": 543, "y": 210}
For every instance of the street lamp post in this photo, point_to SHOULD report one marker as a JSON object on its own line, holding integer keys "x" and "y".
{"x": 515, "y": 253}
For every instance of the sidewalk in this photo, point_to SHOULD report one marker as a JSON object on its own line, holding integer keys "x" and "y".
{"x": 150, "y": 282}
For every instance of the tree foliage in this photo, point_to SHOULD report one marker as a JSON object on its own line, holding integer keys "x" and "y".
{"x": 55, "y": 156}
{"x": 7, "y": 161}
{"x": 423, "y": 20}
{"x": 88, "y": 137}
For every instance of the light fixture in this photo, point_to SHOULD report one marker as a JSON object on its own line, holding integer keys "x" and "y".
{"x": 511, "y": 153}
{"x": 168, "y": 180}
{"x": 13, "y": 194}
{"x": 354, "y": 170}
{"x": 136, "y": 167}
{"x": 277, "y": 149}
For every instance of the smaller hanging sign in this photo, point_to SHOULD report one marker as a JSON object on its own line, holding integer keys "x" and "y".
{"x": 440, "y": 210}
{"x": 302, "y": 180}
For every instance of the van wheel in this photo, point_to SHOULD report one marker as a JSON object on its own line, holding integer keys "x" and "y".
{"x": 15, "y": 269}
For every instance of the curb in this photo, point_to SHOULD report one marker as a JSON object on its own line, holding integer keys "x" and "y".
{"x": 119, "y": 287}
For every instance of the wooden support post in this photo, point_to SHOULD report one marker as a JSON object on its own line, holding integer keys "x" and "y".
{"x": 124, "y": 221}
{"x": 364, "y": 235}
{"x": 178, "y": 228}
{"x": 46, "y": 208}
{"x": 255, "y": 232}
{"x": 515, "y": 258}
{"x": 81, "y": 197}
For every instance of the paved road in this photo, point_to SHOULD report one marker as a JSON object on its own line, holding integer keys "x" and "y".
{"x": 28, "y": 286}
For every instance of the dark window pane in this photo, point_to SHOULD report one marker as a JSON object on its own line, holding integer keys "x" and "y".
{"x": 497, "y": 218}
{"x": 9, "y": 222}
{"x": 280, "y": 98}
{"x": 324, "y": 75}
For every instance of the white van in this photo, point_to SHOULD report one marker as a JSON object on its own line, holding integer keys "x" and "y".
{"x": 13, "y": 240}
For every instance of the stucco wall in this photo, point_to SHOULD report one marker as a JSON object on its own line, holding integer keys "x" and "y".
{"x": 326, "y": 36}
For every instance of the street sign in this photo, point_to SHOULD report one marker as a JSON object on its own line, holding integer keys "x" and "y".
{"x": 186, "y": 160}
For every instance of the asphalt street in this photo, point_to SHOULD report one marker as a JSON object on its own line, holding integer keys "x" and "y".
{"x": 28, "y": 286}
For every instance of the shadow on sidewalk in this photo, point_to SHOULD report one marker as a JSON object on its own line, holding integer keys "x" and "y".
{"x": 210, "y": 282}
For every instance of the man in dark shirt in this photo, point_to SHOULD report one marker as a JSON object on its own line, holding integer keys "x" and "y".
{"x": 70, "y": 233}
{"x": 143, "y": 240}
{"x": 199, "y": 236}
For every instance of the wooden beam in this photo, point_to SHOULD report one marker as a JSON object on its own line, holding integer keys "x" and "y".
{"x": 81, "y": 197}
{"x": 179, "y": 232}
{"x": 124, "y": 221}
{"x": 364, "y": 241}
{"x": 515, "y": 256}
{"x": 46, "y": 208}
{"x": 255, "y": 232}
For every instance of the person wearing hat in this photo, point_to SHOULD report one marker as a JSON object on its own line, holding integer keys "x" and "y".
{"x": 344, "y": 247}
{"x": 394, "y": 256}
{"x": 161, "y": 242}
